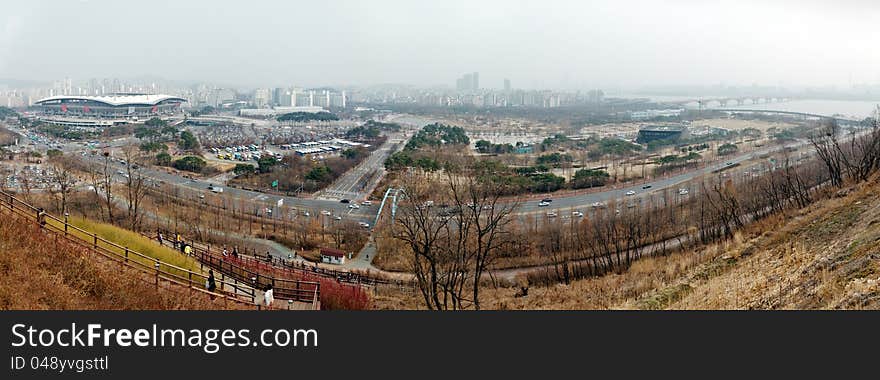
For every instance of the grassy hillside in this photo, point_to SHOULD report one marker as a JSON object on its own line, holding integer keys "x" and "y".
{"x": 134, "y": 241}
{"x": 38, "y": 272}
{"x": 828, "y": 257}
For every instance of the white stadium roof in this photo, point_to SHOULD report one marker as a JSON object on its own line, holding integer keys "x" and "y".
{"x": 117, "y": 100}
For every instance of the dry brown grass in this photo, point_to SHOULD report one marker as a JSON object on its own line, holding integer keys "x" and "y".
{"x": 38, "y": 272}
{"x": 826, "y": 258}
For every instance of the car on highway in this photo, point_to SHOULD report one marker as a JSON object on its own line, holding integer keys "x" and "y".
{"x": 337, "y": 217}
{"x": 543, "y": 204}
{"x": 354, "y": 206}
{"x": 345, "y": 200}
{"x": 216, "y": 189}
{"x": 548, "y": 200}
{"x": 631, "y": 192}
{"x": 729, "y": 164}
{"x": 598, "y": 204}
{"x": 646, "y": 187}
{"x": 682, "y": 191}
{"x": 366, "y": 202}
{"x": 364, "y": 224}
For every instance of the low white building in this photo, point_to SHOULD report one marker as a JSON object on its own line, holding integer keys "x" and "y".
{"x": 332, "y": 256}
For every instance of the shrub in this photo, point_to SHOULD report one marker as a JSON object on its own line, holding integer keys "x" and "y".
{"x": 190, "y": 163}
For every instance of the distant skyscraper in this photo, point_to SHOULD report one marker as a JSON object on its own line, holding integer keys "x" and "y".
{"x": 261, "y": 97}
{"x": 506, "y": 84}
{"x": 468, "y": 82}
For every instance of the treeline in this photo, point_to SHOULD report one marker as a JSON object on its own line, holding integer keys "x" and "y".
{"x": 595, "y": 147}
{"x": 294, "y": 173}
{"x": 371, "y": 130}
{"x": 299, "y": 117}
{"x": 620, "y": 233}
{"x": 674, "y": 162}
{"x": 7, "y": 112}
{"x": 436, "y": 135}
{"x": 487, "y": 147}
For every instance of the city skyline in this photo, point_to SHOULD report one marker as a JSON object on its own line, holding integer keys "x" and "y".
{"x": 566, "y": 45}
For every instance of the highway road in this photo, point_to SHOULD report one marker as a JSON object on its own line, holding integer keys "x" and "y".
{"x": 658, "y": 185}
{"x": 358, "y": 182}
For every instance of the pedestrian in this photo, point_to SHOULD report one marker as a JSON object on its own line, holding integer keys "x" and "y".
{"x": 268, "y": 256}
{"x": 269, "y": 297}
{"x": 235, "y": 252}
{"x": 225, "y": 253}
{"x": 41, "y": 216}
{"x": 210, "y": 283}
{"x": 187, "y": 250}
{"x": 159, "y": 237}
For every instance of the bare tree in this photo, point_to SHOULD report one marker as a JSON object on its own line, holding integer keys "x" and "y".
{"x": 484, "y": 222}
{"x": 135, "y": 187}
{"x": 422, "y": 229}
{"x": 828, "y": 149}
{"x": 62, "y": 179}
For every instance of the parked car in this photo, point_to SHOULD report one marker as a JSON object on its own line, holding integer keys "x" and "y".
{"x": 364, "y": 224}
{"x": 577, "y": 214}
{"x": 552, "y": 214}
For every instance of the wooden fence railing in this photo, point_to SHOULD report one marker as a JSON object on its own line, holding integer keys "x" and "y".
{"x": 232, "y": 289}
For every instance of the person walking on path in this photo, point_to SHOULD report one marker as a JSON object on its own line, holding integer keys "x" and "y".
{"x": 41, "y": 216}
{"x": 210, "y": 283}
{"x": 268, "y": 297}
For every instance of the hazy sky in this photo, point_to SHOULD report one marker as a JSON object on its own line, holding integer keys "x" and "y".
{"x": 537, "y": 44}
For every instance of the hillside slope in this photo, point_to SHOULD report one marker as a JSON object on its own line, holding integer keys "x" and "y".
{"x": 38, "y": 272}
{"x": 826, "y": 256}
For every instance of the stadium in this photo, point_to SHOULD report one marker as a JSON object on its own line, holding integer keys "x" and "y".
{"x": 111, "y": 106}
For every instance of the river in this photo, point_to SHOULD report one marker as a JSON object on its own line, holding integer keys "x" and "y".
{"x": 852, "y": 109}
